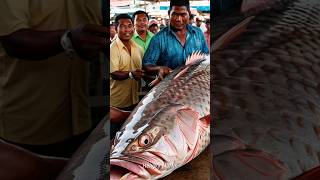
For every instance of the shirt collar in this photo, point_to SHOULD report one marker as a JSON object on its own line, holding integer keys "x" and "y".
{"x": 136, "y": 35}
{"x": 121, "y": 45}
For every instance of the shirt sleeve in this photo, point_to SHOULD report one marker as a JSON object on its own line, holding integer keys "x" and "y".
{"x": 14, "y": 16}
{"x": 152, "y": 54}
{"x": 114, "y": 59}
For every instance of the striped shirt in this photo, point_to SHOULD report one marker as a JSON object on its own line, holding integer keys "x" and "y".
{"x": 165, "y": 48}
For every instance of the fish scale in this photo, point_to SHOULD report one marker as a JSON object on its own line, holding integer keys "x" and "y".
{"x": 266, "y": 95}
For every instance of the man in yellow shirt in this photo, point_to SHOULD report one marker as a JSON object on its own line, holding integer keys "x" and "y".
{"x": 125, "y": 66}
{"x": 43, "y": 72}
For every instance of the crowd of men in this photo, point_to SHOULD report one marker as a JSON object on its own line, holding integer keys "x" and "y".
{"x": 136, "y": 53}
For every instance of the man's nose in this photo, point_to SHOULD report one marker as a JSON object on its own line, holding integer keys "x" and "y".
{"x": 179, "y": 18}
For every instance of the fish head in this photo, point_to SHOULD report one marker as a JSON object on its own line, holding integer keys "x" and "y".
{"x": 153, "y": 149}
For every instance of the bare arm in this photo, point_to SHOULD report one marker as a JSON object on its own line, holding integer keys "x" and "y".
{"x": 29, "y": 44}
{"x": 123, "y": 75}
{"x": 32, "y": 45}
{"x": 161, "y": 71}
{"x": 120, "y": 75}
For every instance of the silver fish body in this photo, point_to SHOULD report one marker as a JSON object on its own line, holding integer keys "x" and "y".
{"x": 168, "y": 128}
{"x": 266, "y": 89}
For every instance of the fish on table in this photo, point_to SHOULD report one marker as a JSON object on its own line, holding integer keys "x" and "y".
{"x": 91, "y": 160}
{"x": 266, "y": 92}
{"x": 168, "y": 128}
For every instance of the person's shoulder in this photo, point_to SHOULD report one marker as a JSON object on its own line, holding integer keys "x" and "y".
{"x": 194, "y": 29}
{"x": 162, "y": 32}
{"x": 149, "y": 33}
{"x": 113, "y": 44}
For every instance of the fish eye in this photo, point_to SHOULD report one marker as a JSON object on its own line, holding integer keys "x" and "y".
{"x": 144, "y": 140}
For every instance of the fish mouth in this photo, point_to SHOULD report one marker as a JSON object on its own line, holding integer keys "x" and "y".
{"x": 127, "y": 168}
{"x": 120, "y": 169}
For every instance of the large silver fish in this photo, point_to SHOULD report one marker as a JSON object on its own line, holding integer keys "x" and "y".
{"x": 91, "y": 160}
{"x": 266, "y": 89}
{"x": 168, "y": 128}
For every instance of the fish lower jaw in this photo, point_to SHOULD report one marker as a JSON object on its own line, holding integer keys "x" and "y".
{"x": 125, "y": 170}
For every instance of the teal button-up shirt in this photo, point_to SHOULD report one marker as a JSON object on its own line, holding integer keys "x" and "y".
{"x": 165, "y": 48}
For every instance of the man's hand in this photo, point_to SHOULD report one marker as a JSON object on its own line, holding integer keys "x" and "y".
{"x": 163, "y": 71}
{"x": 137, "y": 74}
{"x": 89, "y": 39}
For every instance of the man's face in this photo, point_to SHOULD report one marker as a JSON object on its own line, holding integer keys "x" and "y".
{"x": 154, "y": 29}
{"x": 179, "y": 17}
{"x": 198, "y": 22}
{"x": 112, "y": 31}
{"x": 125, "y": 29}
{"x": 141, "y": 22}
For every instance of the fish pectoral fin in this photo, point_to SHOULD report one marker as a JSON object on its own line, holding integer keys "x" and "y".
{"x": 232, "y": 34}
{"x": 248, "y": 164}
{"x": 187, "y": 121}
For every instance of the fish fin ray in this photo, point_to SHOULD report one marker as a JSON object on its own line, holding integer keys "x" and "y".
{"x": 181, "y": 72}
{"x": 254, "y": 163}
{"x": 195, "y": 57}
{"x": 233, "y": 33}
{"x": 187, "y": 121}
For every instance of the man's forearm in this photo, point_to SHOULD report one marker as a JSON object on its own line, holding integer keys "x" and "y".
{"x": 120, "y": 75}
{"x": 151, "y": 69}
{"x": 29, "y": 44}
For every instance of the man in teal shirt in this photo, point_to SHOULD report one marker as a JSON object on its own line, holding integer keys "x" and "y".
{"x": 141, "y": 34}
{"x": 170, "y": 47}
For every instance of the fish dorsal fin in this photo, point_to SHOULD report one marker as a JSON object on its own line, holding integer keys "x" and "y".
{"x": 195, "y": 57}
{"x": 232, "y": 34}
{"x": 255, "y": 5}
{"x": 192, "y": 59}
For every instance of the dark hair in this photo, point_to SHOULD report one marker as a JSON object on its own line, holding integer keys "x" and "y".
{"x": 139, "y": 12}
{"x": 121, "y": 16}
{"x": 191, "y": 16}
{"x": 154, "y": 24}
{"x": 179, "y": 3}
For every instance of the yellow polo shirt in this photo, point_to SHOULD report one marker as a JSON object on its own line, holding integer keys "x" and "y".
{"x": 43, "y": 102}
{"x": 124, "y": 93}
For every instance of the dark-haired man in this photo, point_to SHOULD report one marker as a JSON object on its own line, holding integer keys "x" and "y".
{"x": 153, "y": 26}
{"x": 125, "y": 66}
{"x": 170, "y": 47}
{"x": 141, "y": 34}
